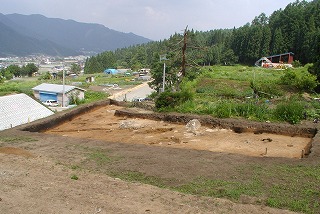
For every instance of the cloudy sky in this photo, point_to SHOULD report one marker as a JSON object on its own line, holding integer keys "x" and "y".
{"x": 153, "y": 19}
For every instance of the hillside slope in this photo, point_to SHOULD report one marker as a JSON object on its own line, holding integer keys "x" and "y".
{"x": 55, "y": 33}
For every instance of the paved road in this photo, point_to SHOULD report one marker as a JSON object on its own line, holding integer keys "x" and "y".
{"x": 140, "y": 91}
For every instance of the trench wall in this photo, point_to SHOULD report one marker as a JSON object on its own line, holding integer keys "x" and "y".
{"x": 238, "y": 126}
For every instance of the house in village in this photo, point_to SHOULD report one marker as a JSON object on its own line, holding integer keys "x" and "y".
{"x": 61, "y": 93}
{"x": 20, "y": 109}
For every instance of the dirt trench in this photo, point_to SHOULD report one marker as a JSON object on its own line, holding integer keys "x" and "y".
{"x": 115, "y": 123}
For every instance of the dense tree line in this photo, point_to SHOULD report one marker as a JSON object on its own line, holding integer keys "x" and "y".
{"x": 16, "y": 71}
{"x": 293, "y": 29}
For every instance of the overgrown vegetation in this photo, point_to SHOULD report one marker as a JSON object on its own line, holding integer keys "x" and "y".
{"x": 246, "y": 92}
{"x": 168, "y": 100}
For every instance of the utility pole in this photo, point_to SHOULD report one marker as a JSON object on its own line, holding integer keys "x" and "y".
{"x": 63, "y": 85}
{"x": 163, "y": 57}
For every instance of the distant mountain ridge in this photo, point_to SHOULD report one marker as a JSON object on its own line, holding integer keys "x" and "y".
{"x": 36, "y": 34}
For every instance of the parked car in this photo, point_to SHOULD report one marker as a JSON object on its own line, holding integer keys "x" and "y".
{"x": 139, "y": 99}
{"x": 51, "y": 103}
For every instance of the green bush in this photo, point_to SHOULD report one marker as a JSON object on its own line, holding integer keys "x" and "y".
{"x": 223, "y": 109}
{"x": 45, "y": 76}
{"x": 252, "y": 110}
{"x": 290, "y": 111}
{"x": 169, "y": 100}
{"x": 187, "y": 107}
{"x": 91, "y": 96}
{"x": 300, "y": 79}
{"x": 296, "y": 64}
{"x": 206, "y": 108}
{"x": 75, "y": 100}
{"x": 266, "y": 89}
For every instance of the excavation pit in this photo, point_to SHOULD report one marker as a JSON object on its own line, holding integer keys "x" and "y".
{"x": 113, "y": 123}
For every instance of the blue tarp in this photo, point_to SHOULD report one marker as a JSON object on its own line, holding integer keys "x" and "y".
{"x": 111, "y": 71}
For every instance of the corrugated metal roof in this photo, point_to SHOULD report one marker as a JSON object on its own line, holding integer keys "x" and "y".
{"x": 46, "y": 87}
{"x": 20, "y": 109}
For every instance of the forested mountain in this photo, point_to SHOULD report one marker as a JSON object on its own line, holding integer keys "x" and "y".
{"x": 294, "y": 29}
{"x": 27, "y": 34}
{"x": 12, "y": 43}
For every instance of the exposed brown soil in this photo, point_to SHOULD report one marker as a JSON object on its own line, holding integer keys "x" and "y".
{"x": 101, "y": 124}
{"x": 16, "y": 151}
{"x": 35, "y": 175}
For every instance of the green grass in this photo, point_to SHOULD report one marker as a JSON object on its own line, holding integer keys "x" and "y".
{"x": 228, "y": 92}
{"x": 17, "y": 139}
{"x": 138, "y": 177}
{"x": 74, "y": 177}
{"x": 293, "y": 187}
{"x": 92, "y": 96}
{"x": 17, "y": 86}
{"x": 290, "y": 187}
{"x": 75, "y": 167}
{"x": 100, "y": 157}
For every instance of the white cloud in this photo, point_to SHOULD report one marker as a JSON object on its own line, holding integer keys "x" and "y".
{"x": 155, "y": 15}
{"x": 150, "y": 18}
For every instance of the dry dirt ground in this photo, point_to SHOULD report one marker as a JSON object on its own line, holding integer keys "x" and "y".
{"x": 36, "y": 169}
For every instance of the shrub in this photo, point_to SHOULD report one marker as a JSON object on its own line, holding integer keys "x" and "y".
{"x": 267, "y": 89}
{"x": 299, "y": 79}
{"x": 168, "y": 100}
{"x": 249, "y": 109}
{"x": 91, "y": 96}
{"x": 206, "y": 108}
{"x": 187, "y": 107}
{"x": 45, "y": 76}
{"x": 291, "y": 111}
{"x": 223, "y": 109}
{"x": 296, "y": 64}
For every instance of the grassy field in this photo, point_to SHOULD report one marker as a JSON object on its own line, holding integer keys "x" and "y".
{"x": 285, "y": 187}
{"x": 253, "y": 93}
{"x": 289, "y": 186}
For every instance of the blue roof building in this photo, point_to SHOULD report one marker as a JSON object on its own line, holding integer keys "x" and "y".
{"x": 60, "y": 93}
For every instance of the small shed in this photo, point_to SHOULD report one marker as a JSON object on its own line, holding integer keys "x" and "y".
{"x": 61, "y": 93}
{"x": 90, "y": 79}
{"x": 111, "y": 71}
